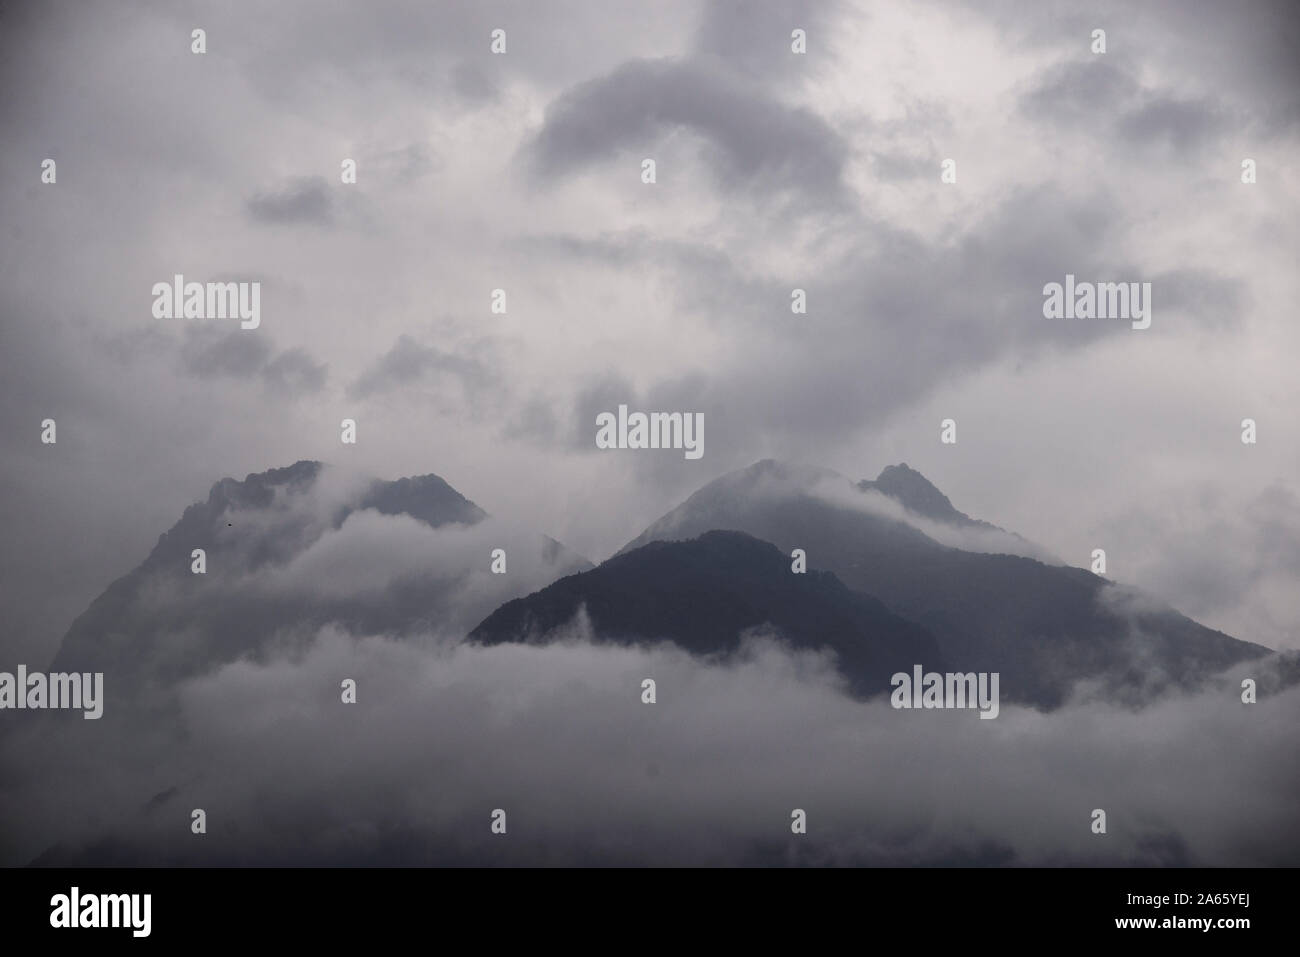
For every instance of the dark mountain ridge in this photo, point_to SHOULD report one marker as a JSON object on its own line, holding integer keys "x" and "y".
{"x": 703, "y": 593}
{"x": 1044, "y": 628}
{"x": 161, "y": 622}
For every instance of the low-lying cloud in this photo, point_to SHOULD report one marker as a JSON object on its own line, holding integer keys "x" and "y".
{"x": 558, "y": 737}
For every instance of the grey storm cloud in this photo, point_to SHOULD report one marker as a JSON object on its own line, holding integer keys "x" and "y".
{"x": 207, "y": 352}
{"x": 754, "y": 38}
{"x": 409, "y": 361}
{"x": 898, "y": 165}
{"x": 1182, "y": 125}
{"x": 1215, "y": 301}
{"x": 305, "y": 201}
{"x": 536, "y": 422}
{"x": 660, "y": 468}
{"x": 942, "y": 309}
{"x": 1196, "y": 32}
{"x": 1085, "y": 95}
{"x": 1075, "y": 91}
{"x": 890, "y": 319}
{"x": 758, "y": 142}
{"x": 294, "y": 371}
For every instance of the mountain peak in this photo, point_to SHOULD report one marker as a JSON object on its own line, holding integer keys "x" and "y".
{"x": 917, "y": 493}
{"x": 913, "y": 489}
{"x": 162, "y": 621}
{"x": 426, "y": 497}
{"x": 258, "y": 488}
{"x": 1041, "y": 625}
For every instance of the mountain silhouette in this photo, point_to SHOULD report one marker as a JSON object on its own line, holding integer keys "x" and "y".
{"x": 915, "y": 492}
{"x": 286, "y": 555}
{"x": 704, "y": 593}
{"x": 1045, "y": 628}
{"x": 292, "y": 550}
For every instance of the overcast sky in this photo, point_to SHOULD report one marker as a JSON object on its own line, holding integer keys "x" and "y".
{"x": 522, "y": 171}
